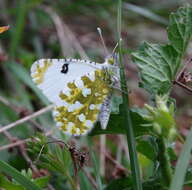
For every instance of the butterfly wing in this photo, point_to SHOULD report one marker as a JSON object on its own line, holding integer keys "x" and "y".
{"x": 81, "y": 108}
{"x": 47, "y": 74}
{"x": 78, "y": 91}
{"x": 105, "y": 111}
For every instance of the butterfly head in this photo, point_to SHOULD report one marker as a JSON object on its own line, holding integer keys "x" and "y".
{"x": 111, "y": 60}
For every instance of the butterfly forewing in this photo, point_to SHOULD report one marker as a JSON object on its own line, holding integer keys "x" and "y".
{"x": 76, "y": 87}
{"x": 47, "y": 74}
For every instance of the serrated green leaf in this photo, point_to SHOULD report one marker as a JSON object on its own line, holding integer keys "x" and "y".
{"x": 180, "y": 28}
{"x": 116, "y": 124}
{"x": 157, "y": 65}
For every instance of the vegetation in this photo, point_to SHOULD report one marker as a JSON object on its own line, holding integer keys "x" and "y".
{"x": 147, "y": 143}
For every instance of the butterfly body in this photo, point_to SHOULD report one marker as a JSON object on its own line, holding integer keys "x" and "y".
{"x": 79, "y": 89}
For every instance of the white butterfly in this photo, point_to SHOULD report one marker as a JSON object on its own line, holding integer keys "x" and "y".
{"x": 81, "y": 91}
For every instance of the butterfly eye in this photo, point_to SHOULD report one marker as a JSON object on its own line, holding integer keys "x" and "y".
{"x": 65, "y": 68}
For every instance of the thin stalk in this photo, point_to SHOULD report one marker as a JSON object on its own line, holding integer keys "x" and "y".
{"x": 164, "y": 161}
{"x": 127, "y": 118}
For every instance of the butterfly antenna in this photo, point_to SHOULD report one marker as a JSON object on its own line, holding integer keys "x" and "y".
{"x": 102, "y": 40}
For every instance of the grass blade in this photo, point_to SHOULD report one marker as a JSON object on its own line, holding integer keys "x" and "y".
{"x": 146, "y": 13}
{"x": 10, "y": 171}
{"x": 182, "y": 163}
{"x": 127, "y": 118}
{"x": 21, "y": 73}
{"x": 20, "y": 22}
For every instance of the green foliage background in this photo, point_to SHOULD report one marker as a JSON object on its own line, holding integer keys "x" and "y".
{"x": 35, "y": 33}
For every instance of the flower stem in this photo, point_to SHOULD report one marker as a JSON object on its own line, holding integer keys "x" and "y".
{"x": 127, "y": 118}
{"x": 164, "y": 161}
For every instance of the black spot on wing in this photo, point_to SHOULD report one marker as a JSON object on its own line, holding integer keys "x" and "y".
{"x": 65, "y": 68}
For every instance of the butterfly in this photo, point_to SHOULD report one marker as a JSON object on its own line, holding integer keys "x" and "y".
{"x": 80, "y": 90}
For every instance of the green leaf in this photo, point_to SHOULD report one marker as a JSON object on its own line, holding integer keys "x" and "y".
{"x": 157, "y": 65}
{"x": 116, "y": 124}
{"x": 148, "y": 144}
{"x": 126, "y": 184}
{"x": 42, "y": 181}
{"x": 116, "y": 101}
{"x": 10, "y": 171}
{"x": 84, "y": 183}
{"x": 180, "y": 28}
{"x": 182, "y": 163}
{"x": 6, "y": 184}
{"x": 122, "y": 183}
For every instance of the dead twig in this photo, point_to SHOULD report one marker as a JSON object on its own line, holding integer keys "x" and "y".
{"x": 22, "y": 150}
{"x": 23, "y": 120}
{"x": 7, "y": 103}
{"x": 109, "y": 157}
{"x": 21, "y": 111}
{"x": 12, "y": 145}
{"x": 19, "y": 142}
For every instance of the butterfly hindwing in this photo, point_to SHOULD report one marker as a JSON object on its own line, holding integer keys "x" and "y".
{"x": 76, "y": 87}
{"x": 81, "y": 107}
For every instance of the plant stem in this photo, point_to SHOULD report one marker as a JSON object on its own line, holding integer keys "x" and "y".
{"x": 127, "y": 118}
{"x": 164, "y": 161}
